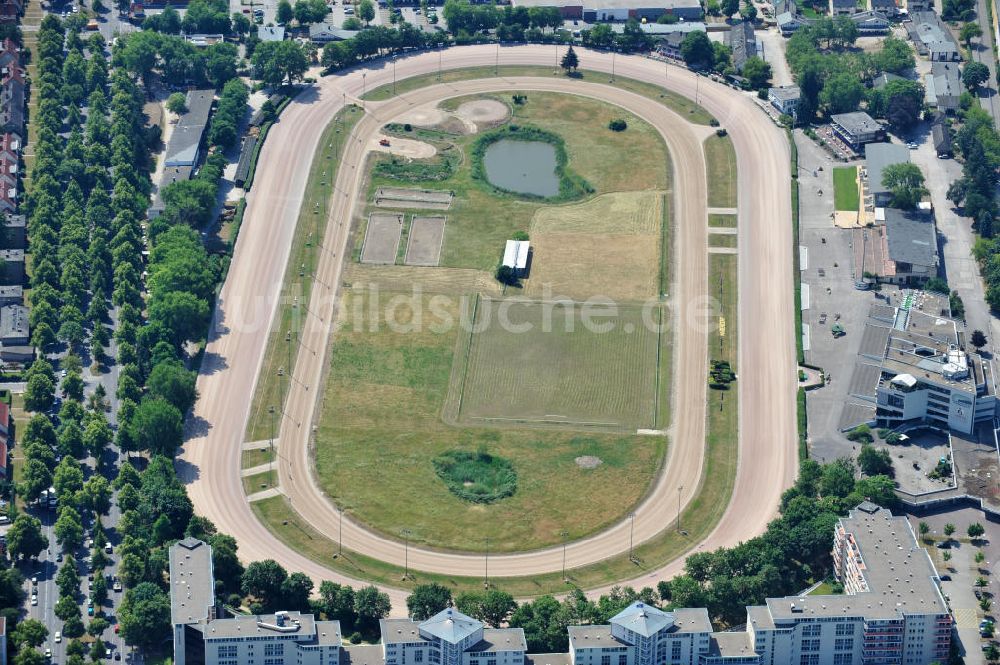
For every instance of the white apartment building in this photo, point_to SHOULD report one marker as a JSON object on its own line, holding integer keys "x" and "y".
{"x": 643, "y": 635}
{"x": 450, "y": 638}
{"x": 891, "y": 612}
{"x": 202, "y": 637}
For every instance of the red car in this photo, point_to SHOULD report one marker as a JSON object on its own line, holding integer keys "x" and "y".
{"x": 117, "y": 628}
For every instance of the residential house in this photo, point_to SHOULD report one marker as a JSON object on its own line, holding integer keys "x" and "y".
{"x": 3, "y": 626}
{"x": 10, "y": 12}
{"x": 13, "y": 235}
{"x": 12, "y": 261}
{"x": 323, "y": 33}
{"x": 871, "y": 23}
{"x": 271, "y": 33}
{"x": 931, "y": 37}
{"x": 670, "y": 45}
{"x": 11, "y": 89}
{"x": 11, "y": 295}
{"x": 857, "y": 128}
{"x": 788, "y": 23}
{"x": 14, "y": 334}
{"x": 886, "y": 7}
{"x": 843, "y": 7}
{"x": 877, "y": 157}
{"x": 941, "y": 136}
{"x": 785, "y": 99}
{"x": 884, "y": 78}
{"x": 943, "y": 86}
{"x": 742, "y": 40}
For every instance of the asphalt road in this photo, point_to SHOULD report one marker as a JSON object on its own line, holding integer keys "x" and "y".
{"x": 211, "y": 458}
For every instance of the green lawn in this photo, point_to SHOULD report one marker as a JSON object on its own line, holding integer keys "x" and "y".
{"x": 722, "y": 221}
{"x": 845, "y": 188}
{"x": 678, "y": 103}
{"x": 256, "y": 457}
{"x": 720, "y": 165}
{"x": 382, "y": 411}
{"x": 721, "y": 240}
{"x": 260, "y": 482}
{"x": 282, "y": 349}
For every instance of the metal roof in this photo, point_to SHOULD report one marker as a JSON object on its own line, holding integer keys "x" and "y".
{"x": 186, "y": 137}
{"x": 643, "y": 619}
{"x": 451, "y": 626}
{"x": 877, "y": 157}
{"x": 912, "y": 237}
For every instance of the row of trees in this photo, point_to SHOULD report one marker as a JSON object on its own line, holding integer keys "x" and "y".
{"x": 832, "y": 78}
{"x": 178, "y": 61}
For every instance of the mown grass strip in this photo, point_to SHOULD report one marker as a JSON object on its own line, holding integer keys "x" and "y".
{"x": 282, "y": 344}
{"x": 720, "y": 166}
{"x": 845, "y": 188}
{"x": 677, "y": 103}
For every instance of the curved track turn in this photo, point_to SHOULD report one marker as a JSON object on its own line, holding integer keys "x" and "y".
{"x": 210, "y": 460}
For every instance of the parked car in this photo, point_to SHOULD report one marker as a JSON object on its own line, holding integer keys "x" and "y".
{"x": 944, "y": 578}
{"x": 58, "y": 637}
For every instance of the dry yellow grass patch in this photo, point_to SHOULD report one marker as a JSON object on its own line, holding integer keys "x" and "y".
{"x": 608, "y": 246}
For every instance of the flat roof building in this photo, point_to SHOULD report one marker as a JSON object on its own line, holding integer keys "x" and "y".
{"x": 271, "y": 33}
{"x": 911, "y": 239}
{"x": 891, "y": 611}
{"x": 203, "y": 637}
{"x": 857, "y": 128}
{"x": 12, "y": 261}
{"x": 877, "y": 157}
{"x": 925, "y": 373}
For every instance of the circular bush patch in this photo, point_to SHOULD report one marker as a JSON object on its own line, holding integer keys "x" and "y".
{"x": 476, "y": 476}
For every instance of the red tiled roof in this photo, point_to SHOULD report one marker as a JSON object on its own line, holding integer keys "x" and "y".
{"x": 4, "y": 415}
{"x": 3, "y": 456}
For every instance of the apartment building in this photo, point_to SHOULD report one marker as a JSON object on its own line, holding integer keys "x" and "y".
{"x": 202, "y": 635}
{"x": 891, "y": 611}
{"x": 450, "y": 638}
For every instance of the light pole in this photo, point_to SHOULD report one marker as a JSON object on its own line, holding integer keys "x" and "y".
{"x": 496, "y": 66}
{"x": 486, "y": 579}
{"x": 393, "y": 76}
{"x": 564, "y": 534}
{"x": 631, "y": 534}
{"x": 364, "y": 87}
{"x": 406, "y": 554}
{"x": 440, "y": 51}
{"x": 555, "y": 70}
{"x": 340, "y": 533}
{"x": 612, "y": 67}
{"x": 679, "y": 508}
{"x": 270, "y": 410}
{"x": 288, "y": 345}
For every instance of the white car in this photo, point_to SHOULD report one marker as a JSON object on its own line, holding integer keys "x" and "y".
{"x": 48, "y": 652}
{"x": 58, "y": 637}
{"x": 34, "y": 600}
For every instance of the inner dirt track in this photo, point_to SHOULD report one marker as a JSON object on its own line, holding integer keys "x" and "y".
{"x": 210, "y": 462}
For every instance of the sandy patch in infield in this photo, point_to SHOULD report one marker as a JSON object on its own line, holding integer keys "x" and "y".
{"x": 404, "y": 147}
